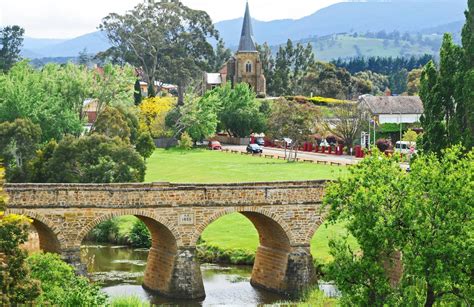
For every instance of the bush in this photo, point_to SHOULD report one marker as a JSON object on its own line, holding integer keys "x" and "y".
{"x": 60, "y": 284}
{"x": 140, "y": 235}
{"x": 127, "y": 301}
{"x": 214, "y": 254}
{"x": 319, "y": 101}
{"x": 186, "y": 142}
{"x": 383, "y": 144}
{"x": 105, "y": 232}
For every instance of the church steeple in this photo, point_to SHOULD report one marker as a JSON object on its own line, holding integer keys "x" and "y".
{"x": 247, "y": 42}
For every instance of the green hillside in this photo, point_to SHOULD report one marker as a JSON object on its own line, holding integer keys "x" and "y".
{"x": 348, "y": 46}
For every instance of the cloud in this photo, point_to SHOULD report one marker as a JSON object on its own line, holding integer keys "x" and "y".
{"x": 71, "y": 18}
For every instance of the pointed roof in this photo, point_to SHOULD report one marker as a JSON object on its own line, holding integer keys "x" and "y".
{"x": 247, "y": 42}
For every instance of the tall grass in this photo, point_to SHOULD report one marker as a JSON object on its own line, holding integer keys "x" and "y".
{"x": 129, "y": 301}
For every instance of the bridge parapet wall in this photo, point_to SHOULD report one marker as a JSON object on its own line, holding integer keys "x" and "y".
{"x": 162, "y": 195}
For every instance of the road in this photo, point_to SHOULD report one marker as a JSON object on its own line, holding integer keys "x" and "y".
{"x": 344, "y": 159}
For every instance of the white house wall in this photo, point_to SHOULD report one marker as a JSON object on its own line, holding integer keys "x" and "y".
{"x": 395, "y": 118}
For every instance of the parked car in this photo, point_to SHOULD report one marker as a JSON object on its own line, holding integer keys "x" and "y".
{"x": 260, "y": 141}
{"x": 214, "y": 145}
{"x": 254, "y": 148}
{"x": 405, "y": 147}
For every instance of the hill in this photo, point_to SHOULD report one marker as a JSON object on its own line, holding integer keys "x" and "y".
{"x": 347, "y": 46}
{"x": 402, "y": 15}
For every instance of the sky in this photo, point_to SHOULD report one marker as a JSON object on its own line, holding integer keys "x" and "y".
{"x": 72, "y": 18}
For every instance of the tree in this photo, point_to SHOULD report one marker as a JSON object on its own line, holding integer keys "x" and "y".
{"x": 398, "y": 81}
{"x": 413, "y": 85}
{"x": 434, "y": 137}
{"x": 378, "y": 82}
{"x": 11, "y": 40}
{"x": 84, "y": 58}
{"x": 294, "y": 121}
{"x": 19, "y": 141}
{"x": 198, "y": 117}
{"x": 439, "y": 217}
{"x": 221, "y": 55}
{"x": 152, "y": 115}
{"x": 145, "y": 145}
{"x": 166, "y": 38}
{"x": 268, "y": 65}
{"x": 346, "y": 124}
{"x": 112, "y": 123}
{"x": 425, "y": 215}
{"x": 137, "y": 94}
{"x": 95, "y": 159}
{"x": 327, "y": 80}
{"x": 16, "y": 284}
{"x": 410, "y": 136}
{"x": 239, "y": 115}
{"x": 368, "y": 201}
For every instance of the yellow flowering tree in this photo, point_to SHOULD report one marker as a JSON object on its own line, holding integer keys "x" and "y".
{"x": 153, "y": 113}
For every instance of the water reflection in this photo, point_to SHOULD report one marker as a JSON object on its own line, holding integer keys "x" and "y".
{"x": 120, "y": 270}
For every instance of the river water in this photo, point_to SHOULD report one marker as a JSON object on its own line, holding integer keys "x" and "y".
{"x": 120, "y": 271}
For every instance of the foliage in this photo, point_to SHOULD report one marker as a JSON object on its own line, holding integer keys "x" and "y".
{"x": 213, "y": 254}
{"x": 346, "y": 124}
{"x": 145, "y": 145}
{"x": 166, "y": 38}
{"x": 362, "y": 200}
{"x": 95, "y": 159}
{"x": 140, "y": 235}
{"x": 17, "y": 285}
{"x": 292, "y": 120}
{"x": 112, "y": 123}
{"x": 414, "y": 79}
{"x": 377, "y": 82}
{"x": 60, "y": 284}
{"x": 317, "y": 100}
{"x": 447, "y": 97}
{"x": 104, "y": 232}
{"x": 127, "y": 301}
{"x": 186, "y": 142}
{"x": 239, "y": 113}
{"x": 410, "y": 136}
{"x": 383, "y": 144}
{"x": 440, "y": 222}
{"x": 153, "y": 113}
{"x": 426, "y": 214}
{"x": 328, "y": 80}
{"x": 11, "y": 40}
{"x": 19, "y": 140}
{"x": 221, "y": 56}
{"x": 198, "y": 116}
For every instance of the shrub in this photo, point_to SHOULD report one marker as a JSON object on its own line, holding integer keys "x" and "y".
{"x": 383, "y": 144}
{"x": 105, "y": 232}
{"x": 127, "y": 301}
{"x": 214, "y": 254}
{"x": 145, "y": 145}
{"x": 186, "y": 142}
{"x": 140, "y": 235}
{"x": 60, "y": 285}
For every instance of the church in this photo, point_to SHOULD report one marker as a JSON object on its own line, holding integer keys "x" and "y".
{"x": 244, "y": 66}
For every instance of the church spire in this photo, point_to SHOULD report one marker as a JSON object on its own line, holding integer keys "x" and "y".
{"x": 247, "y": 42}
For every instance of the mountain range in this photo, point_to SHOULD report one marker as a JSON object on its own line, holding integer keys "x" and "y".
{"x": 415, "y": 16}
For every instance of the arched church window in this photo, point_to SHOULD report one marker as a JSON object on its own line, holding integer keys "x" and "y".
{"x": 248, "y": 67}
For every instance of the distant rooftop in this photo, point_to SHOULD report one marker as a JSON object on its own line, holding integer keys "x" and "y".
{"x": 393, "y": 104}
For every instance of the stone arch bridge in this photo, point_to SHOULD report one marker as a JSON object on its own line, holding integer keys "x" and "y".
{"x": 285, "y": 214}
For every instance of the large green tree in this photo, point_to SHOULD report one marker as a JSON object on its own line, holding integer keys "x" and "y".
{"x": 168, "y": 40}
{"x": 19, "y": 141}
{"x": 11, "y": 40}
{"x": 425, "y": 215}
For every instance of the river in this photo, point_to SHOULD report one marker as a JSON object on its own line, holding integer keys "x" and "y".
{"x": 120, "y": 270}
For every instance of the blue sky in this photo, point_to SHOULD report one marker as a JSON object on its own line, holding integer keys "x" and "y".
{"x": 71, "y": 18}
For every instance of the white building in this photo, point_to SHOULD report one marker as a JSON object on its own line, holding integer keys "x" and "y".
{"x": 392, "y": 109}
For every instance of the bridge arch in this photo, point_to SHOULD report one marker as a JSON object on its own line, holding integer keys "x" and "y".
{"x": 272, "y": 258}
{"x": 162, "y": 254}
{"x": 50, "y": 238}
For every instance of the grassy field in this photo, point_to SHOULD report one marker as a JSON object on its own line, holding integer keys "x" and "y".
{"x": 205, "y": 166}
{"x": 234, "y": 231}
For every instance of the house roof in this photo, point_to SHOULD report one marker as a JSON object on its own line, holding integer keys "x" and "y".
{"x": 392, "y": 104}
{"x": 247, "y": 42}
{"x": 213, "y": 78}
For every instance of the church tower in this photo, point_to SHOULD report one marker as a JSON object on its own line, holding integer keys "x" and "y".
{"x": 245, "y": 66}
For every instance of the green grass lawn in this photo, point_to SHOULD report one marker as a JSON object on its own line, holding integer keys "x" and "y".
{"x": 235, "y": 231}
{"x": 205, "y": 166}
